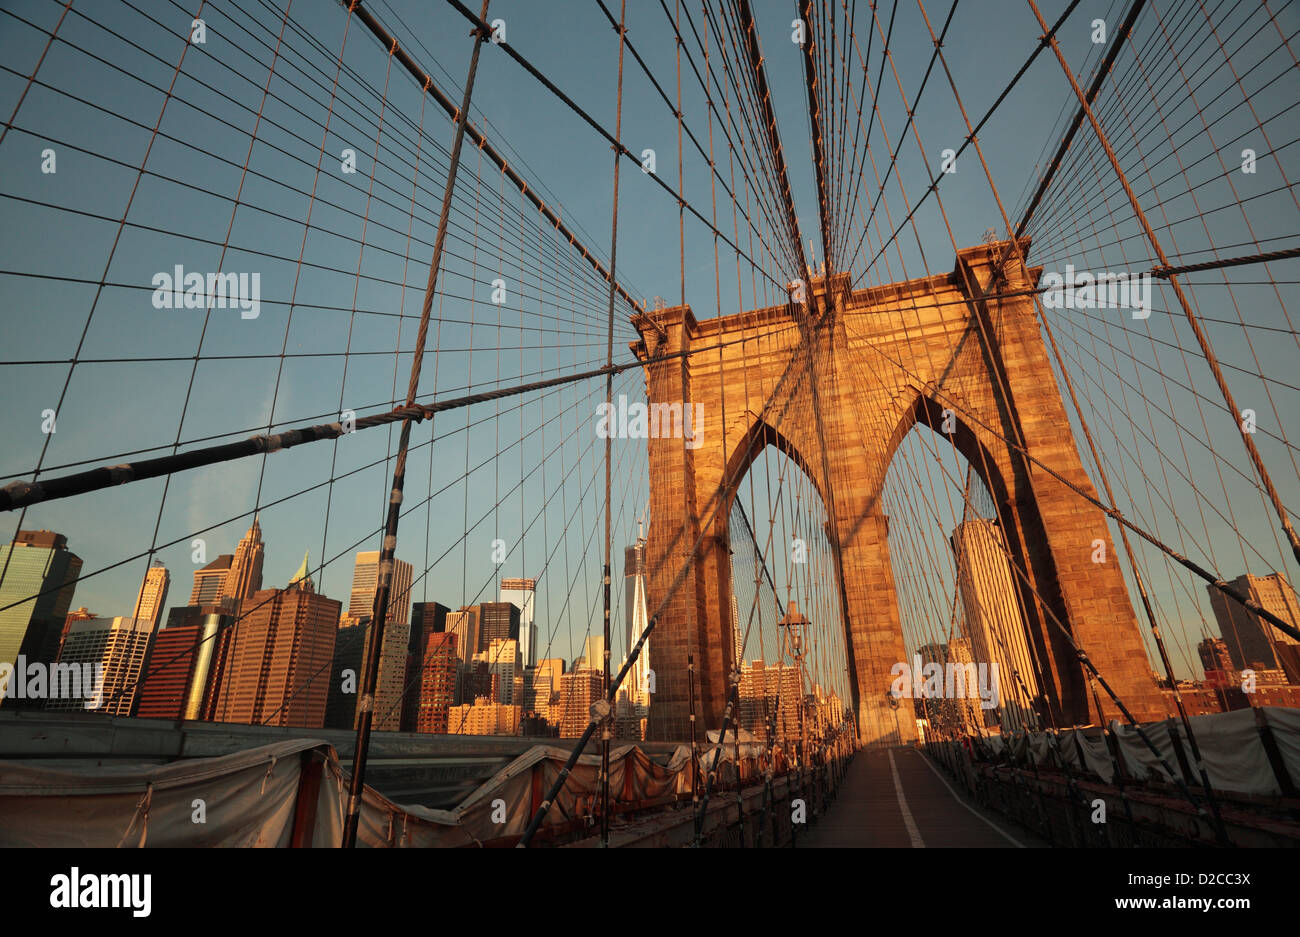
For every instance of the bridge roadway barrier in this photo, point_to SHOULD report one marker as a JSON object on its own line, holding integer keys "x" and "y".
{"x": 435, "y": 771}
{"x": 421, "y": 782}
{"x": 760, "y": 814}
{"x": 1070, "y": 806}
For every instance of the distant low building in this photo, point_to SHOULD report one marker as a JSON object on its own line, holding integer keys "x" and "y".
{"x": 484, "y": 717}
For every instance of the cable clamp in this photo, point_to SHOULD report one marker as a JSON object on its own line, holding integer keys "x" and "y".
{"x": 19, "y": 490}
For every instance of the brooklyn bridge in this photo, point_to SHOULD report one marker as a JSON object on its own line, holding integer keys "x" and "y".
{"x": 936, "y": 493}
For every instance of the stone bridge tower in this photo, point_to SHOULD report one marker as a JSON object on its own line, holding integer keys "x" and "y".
{"x": 836, "y": 387}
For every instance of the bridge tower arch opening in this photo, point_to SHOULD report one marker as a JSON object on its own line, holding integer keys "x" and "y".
{"x": 839, "y": 383}
{"x": 959, "y": 574}
{"x": 794, "y": 680}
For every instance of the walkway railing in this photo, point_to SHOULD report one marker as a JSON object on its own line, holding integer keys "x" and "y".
{"x": 1072, "y": 806}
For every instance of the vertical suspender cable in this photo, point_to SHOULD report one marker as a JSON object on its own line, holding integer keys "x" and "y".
{"x": 609, "y": 402}
{"x": 374, "y": 640}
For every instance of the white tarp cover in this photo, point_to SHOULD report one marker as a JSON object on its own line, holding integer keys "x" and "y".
{"x": 1231, "y": 750}
{"x": 248, "y": 799}
{"x": 1138, "y": 758}
{"x": 1040, "y": 749}
{"x": 1233, "y": 753}
{"x": 1017, "y": 745}
{"x": 502, "y": 805}
{"x": 1285, "y": 724}
{"x": 1096, "y": 755}
{"x": 1068, "y": 750}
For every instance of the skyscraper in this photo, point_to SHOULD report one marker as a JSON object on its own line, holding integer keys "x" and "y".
{"x": 365, "y": 582}
{"x": 464, "y": 623}
{"x": 1216, "y": 661}
{"x": 152, "y": 599}
{"x": 634, "y": 695}
{"x": 427, "y": 618}
{"x": 737, "y": 633}
{"x": 119, "y": 645}
{"x": 81, "y": 614}
{"x": 245, "y": 574}
{"x": 210, "y": 580}
{"x": 393, "y": 691}
{"x": 40, "y": 576}
{"x": 593, "y": 654}
{"x": 497, "y": 621}
{"x": 502, "y": 659}
{"x": 302, "y": 577}
{"x": 181, "y": 668}
{"x": 276, "y": 670}
{"x": 634, "y": 572}
{"x": 523, "y": 593}
{"x": 542, "y": 689}
{"x": 392, "y": 683}
{"x": 956, "y": 717}
{"x": 578, "y": 690}
{"x": 995, "y": 624}
{"x": 477, "y": 681}
{"x": 769, "y": 693}
{"x": 1252, "y": 642}
{"x": 437, "y": 682}
{"x": 345, "y": 674}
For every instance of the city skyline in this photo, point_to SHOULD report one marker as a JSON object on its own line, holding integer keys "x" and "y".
{"x": 157, "y": 580}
